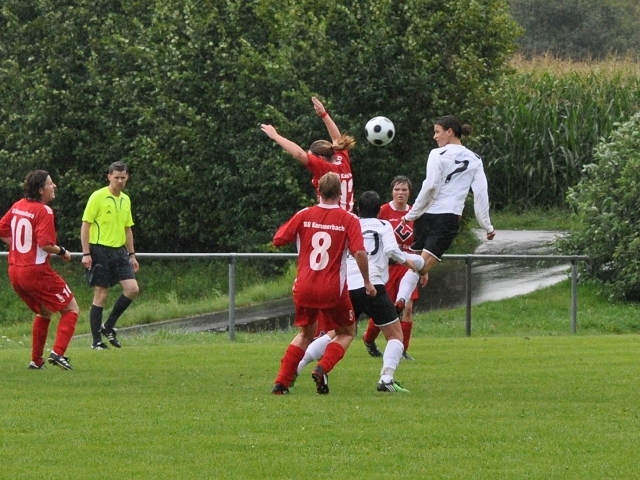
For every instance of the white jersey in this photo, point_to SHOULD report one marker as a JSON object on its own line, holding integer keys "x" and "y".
{"x": 451, "y": 171}
{"x": 380, "y": 244}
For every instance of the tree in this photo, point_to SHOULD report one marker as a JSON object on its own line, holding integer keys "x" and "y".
{"x": 607, "y": 206}
{"x": 178, "y": 89}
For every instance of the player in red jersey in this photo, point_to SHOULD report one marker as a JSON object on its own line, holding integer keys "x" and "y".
{"x": 323, "y": 234}
{"x": 28, "y": 228}
{"x": 323, "y": 156}
{"x": 402, "y": 281}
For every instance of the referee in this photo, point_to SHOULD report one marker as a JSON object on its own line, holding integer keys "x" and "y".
{"x": 108, "y": 254}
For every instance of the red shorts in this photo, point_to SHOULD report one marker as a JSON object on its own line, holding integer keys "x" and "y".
{"x": 328, "y": 319}
{"x": 396, "y": 272}
{"x": 40, "y": 285}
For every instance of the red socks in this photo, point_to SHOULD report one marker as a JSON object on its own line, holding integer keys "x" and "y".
{"x": 39, "y": 338}
{"x": 332, "y": 355}
{"x": 371, "y": 333}
{"x": 289, "y": 365}
{"x": 406, "y": 333}
{"x": 66, "y": 327}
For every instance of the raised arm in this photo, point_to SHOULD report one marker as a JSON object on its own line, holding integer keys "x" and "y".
{"x": 291, "y": 148}
{"x": 332, "y": 128}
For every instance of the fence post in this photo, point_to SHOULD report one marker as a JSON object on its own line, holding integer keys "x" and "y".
{"x": 467, "y": 286}
{"x": 574, "y": 296}
{"x": 232, "y": 296}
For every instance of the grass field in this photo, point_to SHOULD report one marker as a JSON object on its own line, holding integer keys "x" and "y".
{"x": 521, "y": 398}
{"x": 171, "y": 405}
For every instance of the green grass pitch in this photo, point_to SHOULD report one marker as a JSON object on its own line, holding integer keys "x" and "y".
{"x": 170, "y": 405}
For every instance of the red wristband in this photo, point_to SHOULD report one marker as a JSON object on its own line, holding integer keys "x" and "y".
{"x": 323, "y": 114}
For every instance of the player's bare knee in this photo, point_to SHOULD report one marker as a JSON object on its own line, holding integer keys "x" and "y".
{"x": 132, "y": 293}
{"x": 349, "y": 330}
{"x": 72, "y": 307}
{"x": 130, "y": 289}
{"x": 307, "y": 333}
{"x": 392, "y": 331}
{"x": 99, "y": 296}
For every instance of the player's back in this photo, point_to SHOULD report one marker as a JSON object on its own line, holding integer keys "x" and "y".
{"x": 379, "y": 241}
{"x": 342, "y": 166}
{"x": 322, "y": 242}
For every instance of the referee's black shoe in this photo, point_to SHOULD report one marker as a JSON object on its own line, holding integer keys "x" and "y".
{"x": 111, "y": 336}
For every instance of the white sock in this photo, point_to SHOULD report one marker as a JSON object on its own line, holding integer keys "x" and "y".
{"x": 391, "y": 359}
{"x": 314, "y": 351}
{"x": 407, "y": 285}
{"x": 418, "y": 261}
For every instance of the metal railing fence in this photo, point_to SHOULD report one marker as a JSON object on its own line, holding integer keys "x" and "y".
{"x": 468, "y": 259}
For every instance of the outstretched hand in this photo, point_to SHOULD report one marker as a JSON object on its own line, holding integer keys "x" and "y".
{"x": 269, "y": 130}
{"x": 317, "y": 104}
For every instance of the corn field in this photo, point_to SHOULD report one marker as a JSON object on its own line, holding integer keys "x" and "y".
{"x": 545, "y": 123}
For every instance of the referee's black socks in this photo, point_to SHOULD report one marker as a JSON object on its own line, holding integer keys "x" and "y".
{"x": 122, "y": 303}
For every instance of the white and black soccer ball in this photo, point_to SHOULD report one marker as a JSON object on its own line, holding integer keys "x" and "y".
{"x": 380, "y": 131}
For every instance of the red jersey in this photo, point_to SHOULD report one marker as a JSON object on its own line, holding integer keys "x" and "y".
{"x": 318, "y": 166}
{"x": 404, "y": 237}
{"x": 404, "y": 233}
{"x": 30, "y": 225}
{"x": 323, "y": 234}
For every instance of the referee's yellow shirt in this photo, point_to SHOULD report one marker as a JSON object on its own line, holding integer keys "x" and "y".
{"x": 108, "y": 216}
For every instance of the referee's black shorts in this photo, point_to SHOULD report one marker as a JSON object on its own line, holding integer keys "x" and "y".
{"x": 434, "y": 233}
{"x": 109, "y": 266}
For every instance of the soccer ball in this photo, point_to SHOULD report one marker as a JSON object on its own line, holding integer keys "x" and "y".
{"x": 380, "y": 131}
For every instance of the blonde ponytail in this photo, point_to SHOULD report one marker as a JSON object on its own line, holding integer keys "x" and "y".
{"x": 345, "y": 142}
